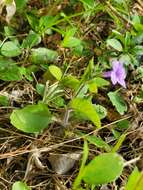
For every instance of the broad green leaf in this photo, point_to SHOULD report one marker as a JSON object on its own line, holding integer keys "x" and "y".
{"x": 118, "y": 102}
{"x": 71, "y": 42}
{"x": 46, "y": 22}
{"x": 115, "y": 44}
{"x": 100, "y": 82}
{"x": 102, "y": 111}
{"x": 9, "y": 71}
{"x": 43, "y": 55}
{"x": 103, "y": 169}
{"x": 31, "y": 40}
{"x": 97, "y": 141}
{"x": 133, "y": 179}
{"x": 31, "y": 119}
{"x": 10, "y": 49}
{"x": 87, "y": 108}
{"x": 18, "y": 185}
{"x": 70, "y": 81}
{"x": 55, "y": 71}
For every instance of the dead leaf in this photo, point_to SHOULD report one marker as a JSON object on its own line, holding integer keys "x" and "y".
{"x": 10, "y": 9}
{"x": 62, "y": 163}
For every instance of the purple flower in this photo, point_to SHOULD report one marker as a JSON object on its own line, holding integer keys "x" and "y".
{"x": 117, "y": 74}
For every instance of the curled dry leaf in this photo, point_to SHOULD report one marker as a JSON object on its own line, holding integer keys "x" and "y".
{"x": 10, "y": 8}
{"x": 62, "y": 163}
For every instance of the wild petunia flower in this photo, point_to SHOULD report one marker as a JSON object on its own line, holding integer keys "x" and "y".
{"x": 117, "y": 74}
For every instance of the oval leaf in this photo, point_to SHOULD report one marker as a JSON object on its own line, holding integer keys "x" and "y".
{"x": 115, "y": 44}
{"x": 18, "y": 185}
{"x": 86, "y": 107}
{"x": 10, "y": 49}
{"x": 31, "y": 119}
{"x": 55, "y": 71}
{"x": 43, "y": 55}
{"x": 103, "y": 169}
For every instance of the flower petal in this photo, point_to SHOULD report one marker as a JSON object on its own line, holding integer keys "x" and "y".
{"x": 115, "y": 65}
{"x": 107, "y": 74}
{"x": 114, "y": 77}
{"x": 122, "y": 83}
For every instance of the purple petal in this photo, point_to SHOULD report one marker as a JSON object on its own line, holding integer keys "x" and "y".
{"x": 114, "y": 78}
{"x": 115, "y": 65}
{"x": 122, "y": 83}
{"x": 107, "y": 74}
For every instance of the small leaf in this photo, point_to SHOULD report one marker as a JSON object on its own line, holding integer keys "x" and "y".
{"x": 102, "y": 111}
{"x": 133, "y": 179}
{"x": 97, "y": 141}
{"x": 9, "y": 71}
{"x": 118, "y": 102}
{"x": 4, "y": 100}
{"x": 71, "y": 42}
{"x": 43, "y": 55}
{"x": 103, "y": 169}
{"x": 115, "y": 44}
{"x": 89, "y": 111}
{"x": 18, "y": 185}
{"x": 31, "y": 119}
{"x": 70, "y": 81}
{"x": 10, "y": 49}
{"x": 100, "y": 82}
{"x": 31, "y": 40}
{"x": 55, "y": 71}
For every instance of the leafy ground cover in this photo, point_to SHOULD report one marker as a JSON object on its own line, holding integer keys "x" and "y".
{"x": 71, "y": 94}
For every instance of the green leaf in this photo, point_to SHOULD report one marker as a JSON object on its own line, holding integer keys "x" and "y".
{"x": 55, "y": 71}
{"x": 47, "y": 22}
{"x": 89, "y": 3}
{"x": 31, "y": 119}
{"x": 118, "y": 102}
{"x": 84, "y": 158}
{"x": 97, "y": 141}
{"x": 4, "y": 101}
{"x": 102, "y": 111}
{"x": 89, "y": 111}
{"x": 9, "y": 71}
{"x": 31, "y": 40}
{"x": 33, "y": 21}
{"x": 10, "y": 49}
{"x": 70, "y": 81}
{"x": 20, "y": 4}
{"x": 115, "y": 44}
{"x": 71, "y": 42}
{"x": 40, "y": 88}
{"x": 133, "y": 179}
{"x": 100, "y": 82}
{"x": 119, "y": 143}
{"x": 43, "y": 55}
{"x": 18, "y": 185}
{"x": 103, "y": 169}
